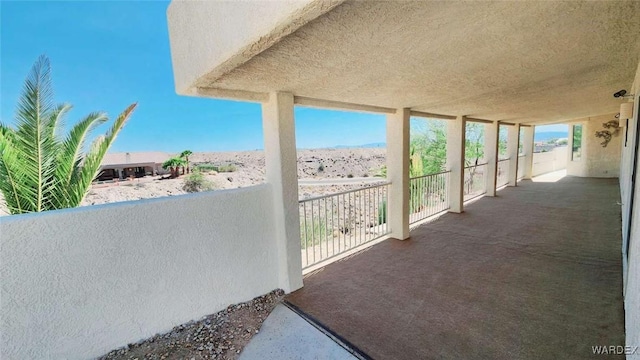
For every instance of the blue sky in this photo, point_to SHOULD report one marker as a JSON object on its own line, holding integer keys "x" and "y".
{"x": 106, "y": 55}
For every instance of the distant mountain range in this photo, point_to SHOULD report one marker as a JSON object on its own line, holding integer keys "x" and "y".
{"x": 371, "y": 145}
{"x": 543, "y": 136}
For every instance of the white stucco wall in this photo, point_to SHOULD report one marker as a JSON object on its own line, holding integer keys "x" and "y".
{"x": 546, "y": 162}
{"x": 632, "y": 265}
{"x": 77, "y": 283}
{"x": 596, "y": 161}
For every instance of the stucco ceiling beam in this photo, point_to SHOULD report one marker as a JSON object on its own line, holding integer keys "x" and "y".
{"x": 479, "y": 120}
{"x": 238, "y": 95}
{"x": 338, "y": 105}
{"x": 431, "y": 115}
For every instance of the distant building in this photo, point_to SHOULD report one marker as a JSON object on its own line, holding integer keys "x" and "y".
{"x": 135, "y": 164}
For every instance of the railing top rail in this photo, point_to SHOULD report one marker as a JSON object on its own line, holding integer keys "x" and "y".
{"x": 471, "y": 166}
{"x": 433, "y": 174}
{"x": 381, "y": 184}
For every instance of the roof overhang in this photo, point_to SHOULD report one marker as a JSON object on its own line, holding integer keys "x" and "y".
{"x": 522, "y": 62}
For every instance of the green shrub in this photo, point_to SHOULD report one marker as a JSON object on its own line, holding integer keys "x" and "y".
{"x": 227, "y": 168}
{"x": 312, "y": 232}
{"x": 382, "y": 212}
{"x": 195, "y": 182}
{"x": 206, "y": 167}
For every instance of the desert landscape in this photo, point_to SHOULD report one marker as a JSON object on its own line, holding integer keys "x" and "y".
{"x": 316, "y": 168}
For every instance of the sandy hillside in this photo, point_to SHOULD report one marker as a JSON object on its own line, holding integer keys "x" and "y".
{"x": 315, "y": 163}
{"x": 250, "y": 170}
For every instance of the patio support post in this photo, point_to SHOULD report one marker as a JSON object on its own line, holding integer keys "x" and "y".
{"x": 491, "y": 156}
{"x": 398, "y": 173}
{"x": 527, "y": 148}
{"x": 513, "y": 143}
{"x": 282, "y": 174}
{"x": 455, "y": 162}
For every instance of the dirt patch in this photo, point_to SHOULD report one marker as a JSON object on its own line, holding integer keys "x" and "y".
{"x": 222, "y": 335}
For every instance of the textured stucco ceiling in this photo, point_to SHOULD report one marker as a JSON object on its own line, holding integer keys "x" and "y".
{"x": 537, "y": 61}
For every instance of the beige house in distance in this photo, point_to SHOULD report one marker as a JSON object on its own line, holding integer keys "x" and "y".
{"x": 132, "y": 164}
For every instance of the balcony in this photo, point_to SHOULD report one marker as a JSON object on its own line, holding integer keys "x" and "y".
{"x": 533, "y": 271}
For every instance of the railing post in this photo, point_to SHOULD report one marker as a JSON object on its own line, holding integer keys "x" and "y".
{"x": 282, "y": 173}
{"x": 513, "y": 143}
{"x": 491, "y": 133}
{"x": 398, "y": 173}
{"x": 455, "y": 162}
{"x": 527, "y": 148}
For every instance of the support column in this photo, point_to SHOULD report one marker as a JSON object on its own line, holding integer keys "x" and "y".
{"x": 455, "y": 163}
{"x": 527, "y": 147}
{"x": 398, "y": 173}
{"x": 513, "y": 143}
{"x": 282, "y": 174}
{"x": 491, "y": 134}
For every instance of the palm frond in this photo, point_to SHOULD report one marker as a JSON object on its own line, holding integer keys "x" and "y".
{"x": 33, "y": 138}
{"x": 57, "y": 121}
{"x": 18, "y": 198}
{"x": 84, "y": 175}
{"x": 40, "y": 169}
{"x": 70, "y": 155}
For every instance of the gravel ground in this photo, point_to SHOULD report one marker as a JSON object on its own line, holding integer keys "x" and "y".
{"x": 222, "y": 335}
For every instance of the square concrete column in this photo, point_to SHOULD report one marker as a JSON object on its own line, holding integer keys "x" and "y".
{"x": 398, "y": 173}
{"x": 513, "y": 143}
{"x": 455, "y": 162}
{"x": 491, "y": 134}
{"x": 527, "y": 147}
{"x": 282, "y": 174}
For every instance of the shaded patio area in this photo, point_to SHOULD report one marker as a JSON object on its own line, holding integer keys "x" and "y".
{"x": 533, "y": 273}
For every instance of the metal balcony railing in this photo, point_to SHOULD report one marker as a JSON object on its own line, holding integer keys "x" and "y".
{"x": 502, "y": 176}
{"x": 475, "y": 181}
{"x": 333, "y": 224}
{"x": 428, "y": 195}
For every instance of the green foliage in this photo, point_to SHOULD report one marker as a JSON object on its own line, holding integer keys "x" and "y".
{"x": 474, "y": 143}
{"x": 206, "y": 167}
{"x": 312, "y": 232}
{"x": 576, "y": 144}
{"x": 174, "y": 165}
{"x": 227, "y": 168}
{"x": 429, "y": 141}
{"x": 502, "y": 141}
{"x": 185, "y": 155}
{"x": 212, "y": 167}
{"x": 382, "y": 212}
{"x": 416, "y": 166}
{"x": 40, "y": 168}
{"x": 196, "y": 182}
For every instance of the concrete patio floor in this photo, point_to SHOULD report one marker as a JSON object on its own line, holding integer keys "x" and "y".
{"x": 533, "y": 273}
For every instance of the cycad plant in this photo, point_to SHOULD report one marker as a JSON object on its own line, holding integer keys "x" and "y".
{"x": 41, "y": 168}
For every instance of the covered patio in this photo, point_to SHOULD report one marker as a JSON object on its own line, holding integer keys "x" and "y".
{"x": 534, "y": 271}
